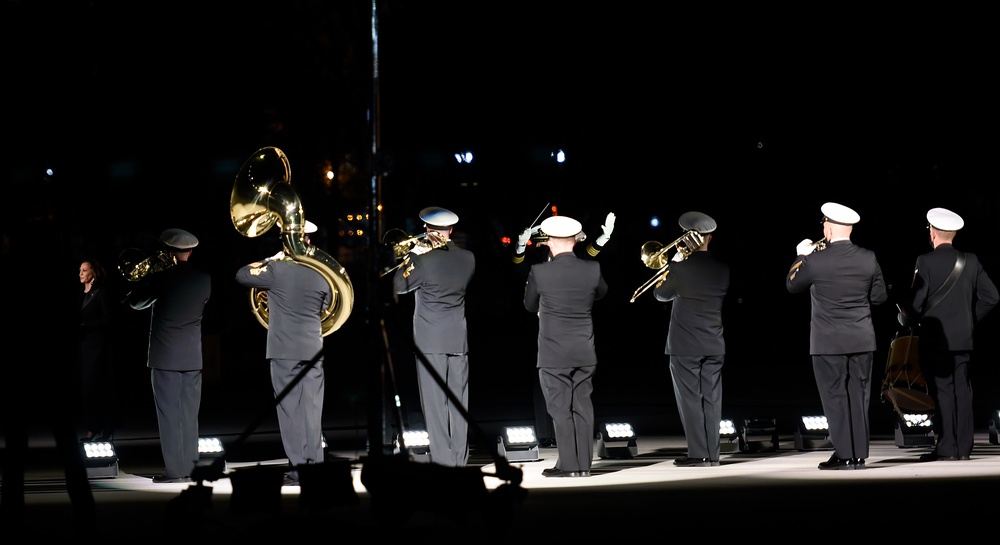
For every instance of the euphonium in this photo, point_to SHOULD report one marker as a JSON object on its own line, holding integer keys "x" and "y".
{"x": 402, "y": 244}
{"x": 134, "y": 268}
{"x": 262, "y": 196}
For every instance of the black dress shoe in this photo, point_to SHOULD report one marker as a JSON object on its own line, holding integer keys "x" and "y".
{"x": 859, "y": 463}
{"x": 839, "y": 463}
{"x": 162, "y": 478}
{"x": 553, "y": 472}
{"x": 695, "y": 462}
{"x": 965, "y": 457}
{"x": 934, "y": 457}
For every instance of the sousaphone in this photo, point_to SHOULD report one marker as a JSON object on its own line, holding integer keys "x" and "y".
{"x": 262, "y": 197}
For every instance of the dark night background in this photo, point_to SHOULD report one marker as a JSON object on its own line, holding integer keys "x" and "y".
{"x": 145, "y": 112}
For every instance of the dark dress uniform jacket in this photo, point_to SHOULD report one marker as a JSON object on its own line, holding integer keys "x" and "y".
{"x": 296, "y": 298}
{"x": 697, "y": 287}
{"x": 442, "y": 276}
{"x": 178, "y": 296}
{"x": 565, "y": 326}
{"x": 950, "y": 324}
{"x": 843, "y": 280}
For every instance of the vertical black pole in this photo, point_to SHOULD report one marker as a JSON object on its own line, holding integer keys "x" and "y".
{"x": 378, "y": 443}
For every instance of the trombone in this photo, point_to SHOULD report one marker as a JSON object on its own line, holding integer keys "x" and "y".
{"x": 654, "y": 256}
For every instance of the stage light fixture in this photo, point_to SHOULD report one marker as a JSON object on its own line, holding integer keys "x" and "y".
{"x": 758, "y": 435}
{"x": 417, "y": 443}
{"x": 617, "y": 440}
{"x": 518, "y": 444}
{"x": 211, "y": 451}
{"x": 813, "y": 433}
{"x": 727, "y": 436}
{"x": 100, "y": 459}
{"x": 914, "y": 430}
{"x": 994, "y": 424}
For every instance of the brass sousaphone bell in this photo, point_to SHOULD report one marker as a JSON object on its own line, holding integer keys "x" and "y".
{"x": 262, "y": 197}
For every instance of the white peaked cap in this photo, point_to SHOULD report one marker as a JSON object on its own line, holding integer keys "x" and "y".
{"x": 944, "y": 219}
{"x": 560, "y": 227}
{"x": 435, "y": 216}
{"x": 838, "y": 213}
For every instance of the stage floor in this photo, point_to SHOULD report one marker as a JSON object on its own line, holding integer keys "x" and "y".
{"x": 759, "y": 492}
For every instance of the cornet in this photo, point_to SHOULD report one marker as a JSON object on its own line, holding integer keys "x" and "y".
{"x": 654, "y": 256}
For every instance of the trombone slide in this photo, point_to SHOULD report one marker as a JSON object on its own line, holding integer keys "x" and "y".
{"x": 656, "y": 280}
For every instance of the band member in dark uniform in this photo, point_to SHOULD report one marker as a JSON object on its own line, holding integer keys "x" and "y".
{"x": 696, "y": 285}
{"x": 438, "y": 273}
{"x": 543, "y": 423}
{"x": 562, "y": 292}
{"x": 947, "y": 321}
{"x": 178, "y": 296}
{"x": 844, "y": 281}
{"x": 297, "y": 296}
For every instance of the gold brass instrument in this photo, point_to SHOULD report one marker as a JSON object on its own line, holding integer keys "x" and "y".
{"x": 402, "y": 244}
{"x": 134, "y": 267}
{"x": 654, "y": 255}
{"x": 262, "y": 196}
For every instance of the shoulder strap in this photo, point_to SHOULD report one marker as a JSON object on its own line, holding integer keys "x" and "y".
{"x": 942, "y": 291}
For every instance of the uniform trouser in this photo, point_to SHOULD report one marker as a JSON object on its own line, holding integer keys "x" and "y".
{"x": 300, "y": 412}
{"x": 447, "y": 428}
{"x": 844, "y": 384}
{"x": 568, "y": 400}
{"x": 698, "y": 391}
{"x": 951, "y": 388}
{"x": 177, "y": 395}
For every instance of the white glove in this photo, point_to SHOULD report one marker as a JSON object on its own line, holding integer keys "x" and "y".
{"x": 609, "y": 226}
{"x": 678, "y": 256}
{"x": 421, "y": 249}
{"x": 278, "y": 256}
{"x": 805, "y": 247}
{"x": 524, "y": 237}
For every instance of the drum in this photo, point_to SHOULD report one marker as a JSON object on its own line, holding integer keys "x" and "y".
{"x": 904, "y": 385}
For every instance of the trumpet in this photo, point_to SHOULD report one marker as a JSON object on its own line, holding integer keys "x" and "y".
{"x": 654, "y": 256}
{"x": 807, "y": 247}
{"x": 402, "y": 244}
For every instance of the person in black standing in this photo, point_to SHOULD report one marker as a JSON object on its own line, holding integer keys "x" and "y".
{"x": 844, "y": 281}
{"x": 97, "y": 318}
{"x": 438, "y": 273}
{"x": 947, "y": 312}
{"x": 696, "y": 286}
{"x": 297, "y": 297}
{"x": 177, "y": 295}
{"x": 562, "y": 292}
